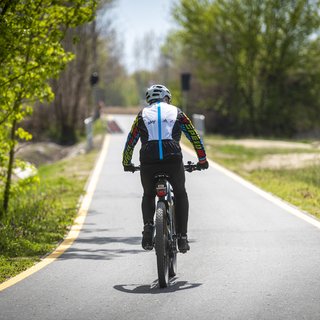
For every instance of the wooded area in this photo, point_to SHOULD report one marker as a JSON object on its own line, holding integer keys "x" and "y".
{"x": 31, "y": 53}
{"x": 253, "y": 64}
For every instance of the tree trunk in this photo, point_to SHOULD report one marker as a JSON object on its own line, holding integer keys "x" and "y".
{"x": 9, "y": 173}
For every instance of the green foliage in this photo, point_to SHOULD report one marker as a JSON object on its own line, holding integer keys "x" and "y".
{"x": 131, "y": 92}
{"x": 99, "y": 127}
{"x": 40, "y": 216}
{"x": 30, "y": 54}
{"x": 35, "y": 223}
{"x": 141, "y": 79}
{"x": 11, "y": 267}
{"x": 261, "y": 57}
{"x": 125, "y": 90}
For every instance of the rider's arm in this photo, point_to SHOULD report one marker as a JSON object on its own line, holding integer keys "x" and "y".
{"x": 132, "y": 140}
{"x": 192, "y": 135}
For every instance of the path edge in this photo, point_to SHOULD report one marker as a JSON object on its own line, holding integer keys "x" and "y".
{"x": 78, "y": 222}
{"x": 269, "y": 196}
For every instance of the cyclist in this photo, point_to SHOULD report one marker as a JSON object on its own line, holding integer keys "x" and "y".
{"x": 159, "y": 127}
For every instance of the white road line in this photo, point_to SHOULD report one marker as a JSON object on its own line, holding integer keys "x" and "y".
{"x": 75, "y": 229}
{"x": 264, "y": 194}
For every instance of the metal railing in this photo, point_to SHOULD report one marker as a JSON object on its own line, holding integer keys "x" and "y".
{"x": 198, "y": 123}
{"x": 92, "y": 129}
{"x": 88, "y": 124}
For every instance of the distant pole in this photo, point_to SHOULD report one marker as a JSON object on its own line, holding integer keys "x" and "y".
{"x": 94, "y": 79}
{"x": 185, "y": 79}
{"x": 184, "y": 101}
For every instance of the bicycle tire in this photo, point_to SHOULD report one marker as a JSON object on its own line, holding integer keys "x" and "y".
{"x": 161, "y": 245}
{"x": 173, "y": 257}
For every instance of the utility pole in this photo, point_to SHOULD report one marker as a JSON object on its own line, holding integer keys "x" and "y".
{"x": 94, "y": 78}
{"x": 185, "y": 79}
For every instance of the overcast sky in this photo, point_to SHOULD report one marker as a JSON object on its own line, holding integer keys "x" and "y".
{"x": 134, "y": 18}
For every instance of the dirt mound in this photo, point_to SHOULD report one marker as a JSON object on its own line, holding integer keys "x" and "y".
{"x": 277, "y": 161}
{"x": 258, "y": 143}
{"x": 40, "y": 153}
{"x": 284, "y": 161}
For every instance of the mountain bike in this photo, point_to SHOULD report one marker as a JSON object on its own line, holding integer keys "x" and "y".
{"x": 164, "y": 231}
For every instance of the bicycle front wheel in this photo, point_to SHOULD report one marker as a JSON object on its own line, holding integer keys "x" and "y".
{"x": 162, "y": 245}
{"x": 173, "y": 251}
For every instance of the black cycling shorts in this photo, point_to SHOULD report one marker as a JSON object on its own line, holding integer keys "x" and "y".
{"x": 177, "y": 181}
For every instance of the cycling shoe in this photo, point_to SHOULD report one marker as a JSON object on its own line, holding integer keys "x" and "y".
{"x": 147, "y": 237}
{"x": 183, "y": 243}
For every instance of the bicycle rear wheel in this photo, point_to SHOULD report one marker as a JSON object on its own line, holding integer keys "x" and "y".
{"x": 162, "y": 245}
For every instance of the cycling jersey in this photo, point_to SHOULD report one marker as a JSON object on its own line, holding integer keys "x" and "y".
{"x": 159, "y": 127}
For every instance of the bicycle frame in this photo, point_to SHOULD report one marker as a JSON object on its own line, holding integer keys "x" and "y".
{"x": 164, "y": 194}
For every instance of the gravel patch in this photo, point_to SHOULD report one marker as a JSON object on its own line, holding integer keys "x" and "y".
{"x": 284, "y": 161}
{"x": 256, "y": 143}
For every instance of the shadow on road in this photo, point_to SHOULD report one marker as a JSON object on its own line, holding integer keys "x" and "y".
{"x": 102, "y": 254}
{"x": 101, "y": 248}
{"x": 98, "y": 240}
{"x": 174, "y": 286}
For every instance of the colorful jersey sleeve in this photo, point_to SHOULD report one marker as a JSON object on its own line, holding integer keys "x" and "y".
{"x": 192, "y": 135}
{"x": 132, "y": 140}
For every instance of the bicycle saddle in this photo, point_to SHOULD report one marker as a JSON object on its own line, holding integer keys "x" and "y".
{"x": 161, "y": 175}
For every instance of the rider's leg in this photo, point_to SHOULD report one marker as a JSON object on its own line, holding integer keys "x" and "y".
{"x": 181, "y": 210}
{"x": 177, "y": 180}
{"x": 182, "y": 206}
{"x": 147, "y": 205}
{"x": 148, "y": 208}
{"x": 149, "y": 193}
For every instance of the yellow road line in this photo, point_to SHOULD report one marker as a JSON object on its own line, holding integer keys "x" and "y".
{"x": 264, "y": 194}
{"x": 75, "y": 229}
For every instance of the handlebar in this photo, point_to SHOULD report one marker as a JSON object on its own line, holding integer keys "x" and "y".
{"x": 190, "y": 166}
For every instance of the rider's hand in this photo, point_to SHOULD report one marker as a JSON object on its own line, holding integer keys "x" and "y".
{"x": 129, "y": 168}
{"x": 203, "y": 165}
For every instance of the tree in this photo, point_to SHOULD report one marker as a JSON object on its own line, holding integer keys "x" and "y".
{"x": 31, "y": 53}
{"x": 112, "y": 73}
{"x": 63, "y": 119}
{"x": 258, "y": 55}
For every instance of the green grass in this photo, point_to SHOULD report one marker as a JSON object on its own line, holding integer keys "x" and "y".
{"x": 300, "y": 187}
{"x": 293, "y": 186}
{"x": 39, "y": 219}
{"x": 99, "y": 126}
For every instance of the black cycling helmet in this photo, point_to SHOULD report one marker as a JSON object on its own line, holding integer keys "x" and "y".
{"x": 157, "y": 93}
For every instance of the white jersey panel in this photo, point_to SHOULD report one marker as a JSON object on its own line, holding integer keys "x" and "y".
{"x": 150, "y": 118}
{"x": 166, "y": 114}
{"x": 168, "y": 119}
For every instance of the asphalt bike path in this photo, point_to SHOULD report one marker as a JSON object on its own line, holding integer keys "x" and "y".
{"x": 250, "y": 258}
